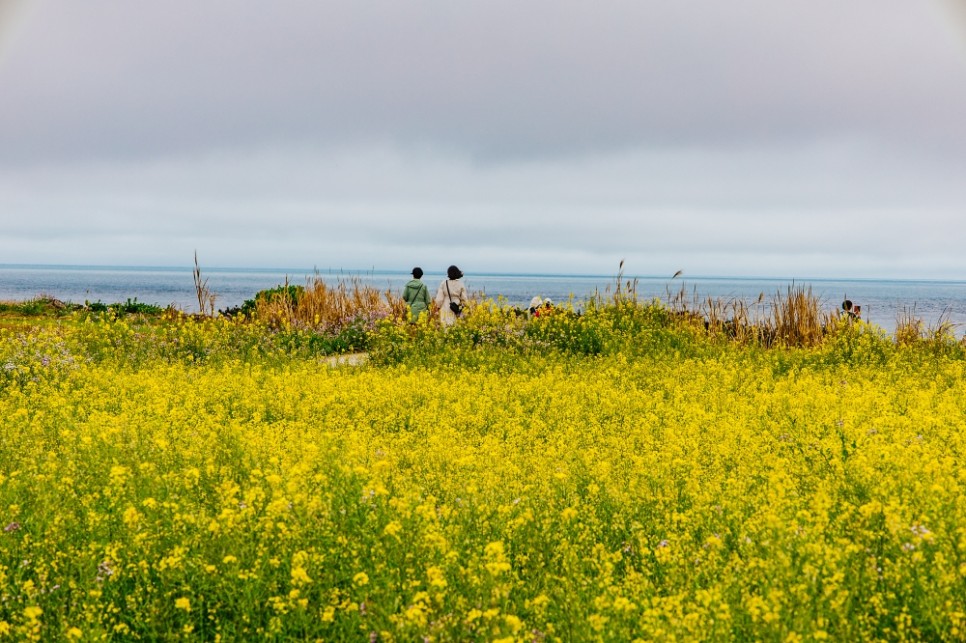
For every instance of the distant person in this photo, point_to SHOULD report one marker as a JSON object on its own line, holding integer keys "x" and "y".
{"x": 851, "y": 311}
{"x": 544, "y": 309}
{"x": 451, "y": 296}
{"x": 535, "y": 304}
{"x": 416, "y": 295}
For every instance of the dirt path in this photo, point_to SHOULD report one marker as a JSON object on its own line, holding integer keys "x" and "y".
{"x": 349, "y": 359}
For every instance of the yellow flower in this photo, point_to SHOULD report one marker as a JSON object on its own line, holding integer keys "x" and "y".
{"x": 131, "y": 516}
{"x": 436, "y": 577}
{"x": 254, "y": 448}
{"x": 597, "y": 622}
{"x": 539, "y": 602}
{"x": 494, "y": 549}
{"x": 498, "y": 567}
{"x": 300, "y": 576}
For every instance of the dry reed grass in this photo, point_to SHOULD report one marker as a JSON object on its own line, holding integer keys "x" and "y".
{"x": 796, "y": 317}
{"x": 623, "y": 291}
{"x": 943, "y": 331}
{"x": 792, "y": 318}
{"x": 910, "y": 329}
{"x": 330, "y": 308}
{"x": 206, "y": 298}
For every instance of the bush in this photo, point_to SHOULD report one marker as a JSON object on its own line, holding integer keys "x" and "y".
{"x": 135, "y": 307}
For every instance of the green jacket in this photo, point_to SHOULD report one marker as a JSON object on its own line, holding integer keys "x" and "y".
{"x": 416, "y": 294}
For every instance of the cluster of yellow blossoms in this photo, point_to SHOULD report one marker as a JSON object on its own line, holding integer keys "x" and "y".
{"x": 214, "y": 490}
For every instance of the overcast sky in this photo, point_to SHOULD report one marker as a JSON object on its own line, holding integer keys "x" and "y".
{"x": 793, "y": 139}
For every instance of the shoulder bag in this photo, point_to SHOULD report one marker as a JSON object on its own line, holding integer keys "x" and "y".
{"x": 455, "y": 307}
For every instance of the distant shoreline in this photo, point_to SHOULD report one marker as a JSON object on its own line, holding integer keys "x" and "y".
{"x": 362, "y": 272}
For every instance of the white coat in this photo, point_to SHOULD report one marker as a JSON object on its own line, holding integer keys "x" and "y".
{"x": 456, "y": 293}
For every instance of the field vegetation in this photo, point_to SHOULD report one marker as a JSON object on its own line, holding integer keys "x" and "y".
{"x": 632, "y": 470}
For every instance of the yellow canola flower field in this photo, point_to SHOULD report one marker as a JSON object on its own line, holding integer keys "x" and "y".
{"x": 729, "y": 494}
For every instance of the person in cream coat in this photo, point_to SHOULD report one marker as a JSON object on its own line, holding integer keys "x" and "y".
{"x": 452, "y": 290}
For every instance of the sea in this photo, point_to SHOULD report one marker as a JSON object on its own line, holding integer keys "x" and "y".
{"x": 883, "y": 301}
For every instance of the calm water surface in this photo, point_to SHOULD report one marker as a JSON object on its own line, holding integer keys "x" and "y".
{"x": 882, "y": 301}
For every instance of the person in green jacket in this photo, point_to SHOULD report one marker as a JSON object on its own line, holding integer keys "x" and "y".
{"x": 416, "y": 295}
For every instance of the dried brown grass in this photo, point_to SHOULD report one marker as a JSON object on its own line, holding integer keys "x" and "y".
{"x": 624, "y": 290}
{"x": 206, "y": 298}
{"x": 791, "y": 318}
{"x": 796, "y": 318}
{"x": 330, "y": 308}
{"x": 910, "y": 329}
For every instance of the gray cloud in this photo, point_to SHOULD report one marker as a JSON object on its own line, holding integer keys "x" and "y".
{"x": 303, "y": 207}
{"x": 490, "y": 79}
{"x": 738, "y": 138}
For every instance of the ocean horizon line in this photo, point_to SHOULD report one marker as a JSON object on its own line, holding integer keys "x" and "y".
{"x": 355, "y": 272}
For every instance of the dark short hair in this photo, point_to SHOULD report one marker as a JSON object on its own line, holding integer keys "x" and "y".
{"x": 454, "y": 273}
{"x": 417, "y": 272}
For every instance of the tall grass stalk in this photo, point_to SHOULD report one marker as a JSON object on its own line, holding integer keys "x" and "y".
{"x": 909, "y": 328}
{"x": 206, "y": 298}
{"x": 624, "y": 291}
{"x": 796, "y": 318}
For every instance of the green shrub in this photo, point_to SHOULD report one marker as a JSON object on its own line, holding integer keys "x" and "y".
{"x": 133, "y": 306}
